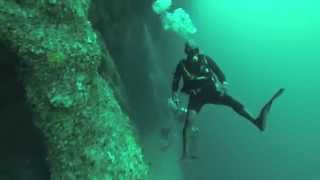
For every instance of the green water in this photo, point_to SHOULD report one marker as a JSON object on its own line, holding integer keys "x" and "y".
{"x": 261, "y": 46}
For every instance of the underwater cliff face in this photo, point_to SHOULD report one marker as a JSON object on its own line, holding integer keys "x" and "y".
{"x": 86, "y": 132}
{"x": 145, "y": 56}
{"x": 123, "y": 25}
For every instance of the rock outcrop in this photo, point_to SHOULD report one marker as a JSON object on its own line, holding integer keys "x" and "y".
{"x": 87, "y": 133}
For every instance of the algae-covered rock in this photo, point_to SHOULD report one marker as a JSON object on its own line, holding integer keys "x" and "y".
{"x": 87, "y": 133}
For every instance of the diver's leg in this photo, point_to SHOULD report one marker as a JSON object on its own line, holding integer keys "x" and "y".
{"x": 237, "y": 106}
{"x": 194, "y": 141}
{"x": 261, "y": 120}
{"x": 190, "y": 136}
{"x": 184, "y": 136}
{"x": 213, "y": 97}
{"x": 241, "y": 110}
{"x": 190, "y": 130}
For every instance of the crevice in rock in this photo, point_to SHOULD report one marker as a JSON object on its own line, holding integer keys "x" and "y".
{"x": 22, "y": 152}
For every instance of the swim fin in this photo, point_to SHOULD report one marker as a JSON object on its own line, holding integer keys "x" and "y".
{"x": 262, "y": 118}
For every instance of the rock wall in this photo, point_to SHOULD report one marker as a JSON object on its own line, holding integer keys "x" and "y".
{"x": 124, "y": 25}
{"x": 70, "y": 84}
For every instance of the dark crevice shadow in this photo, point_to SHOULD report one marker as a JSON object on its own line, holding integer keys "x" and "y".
{"x": 22, "y": 149}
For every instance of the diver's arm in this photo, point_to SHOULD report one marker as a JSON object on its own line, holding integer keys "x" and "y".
{"x": 176, "y": 78}
{"x": 216, "y": 69}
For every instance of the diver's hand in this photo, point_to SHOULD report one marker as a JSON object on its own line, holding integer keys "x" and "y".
{"x": 224, "y": 88}
{"x": 225, "y": 85}
{"x": 175, "y": 98}
{"x": 172, "y": 105}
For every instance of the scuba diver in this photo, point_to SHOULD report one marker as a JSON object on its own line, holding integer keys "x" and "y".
{"x": 205, "y": 83}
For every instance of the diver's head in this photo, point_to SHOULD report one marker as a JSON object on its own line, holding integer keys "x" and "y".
{"x": 192, "y": 51}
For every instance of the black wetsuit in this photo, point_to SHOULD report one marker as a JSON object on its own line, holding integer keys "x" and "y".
{"x": 202, "y": 91}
